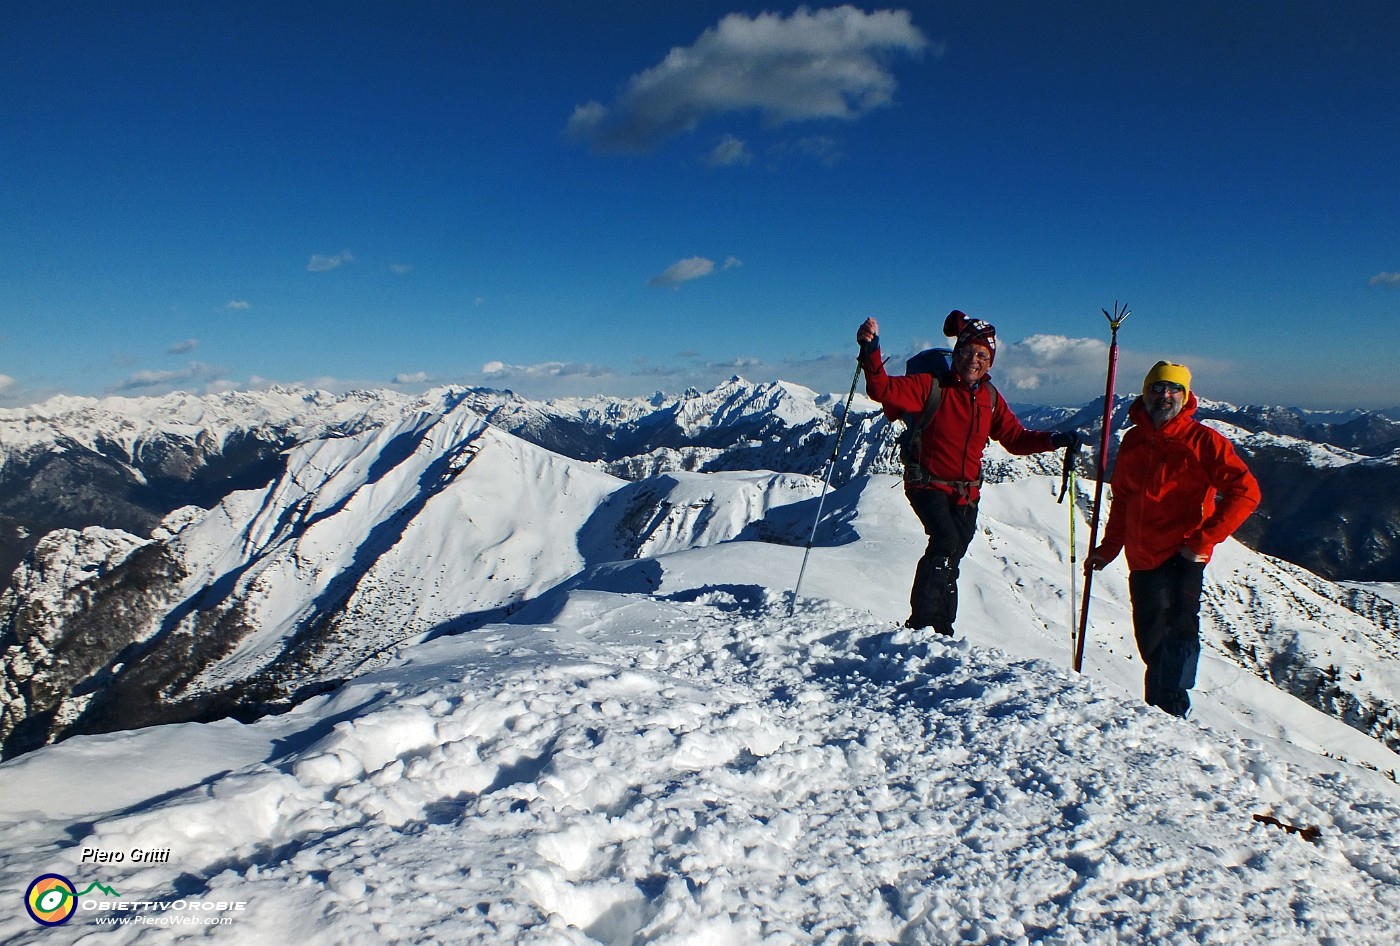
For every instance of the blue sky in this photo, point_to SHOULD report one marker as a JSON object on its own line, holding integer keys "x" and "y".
{"x": 625, "y": 197}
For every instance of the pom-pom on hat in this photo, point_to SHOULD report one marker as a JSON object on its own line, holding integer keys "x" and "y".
{"x": 1168, "y": 371}
{"x": 970, "y": 331}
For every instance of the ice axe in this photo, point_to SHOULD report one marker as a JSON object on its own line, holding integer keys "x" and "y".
{"x": 1114, "y": 320}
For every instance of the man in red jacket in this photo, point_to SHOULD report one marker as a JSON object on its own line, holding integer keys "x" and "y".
{"x": 1179, "y": 490}
{"x": 943, "y": 481}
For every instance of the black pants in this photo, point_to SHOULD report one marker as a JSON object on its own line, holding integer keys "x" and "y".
{"x": 1167, "y": 624}
{"x": 933, "y": 601}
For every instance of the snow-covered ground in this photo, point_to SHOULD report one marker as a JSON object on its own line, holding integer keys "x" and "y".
{"x": 662, "y": 756}
{"x": 1386, "y": 589}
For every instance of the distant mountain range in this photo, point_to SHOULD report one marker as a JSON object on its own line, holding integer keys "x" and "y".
{"x": 1331, "y": 481}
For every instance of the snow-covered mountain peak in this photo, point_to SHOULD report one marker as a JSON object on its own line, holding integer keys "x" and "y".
{"x": 737, "y": 400}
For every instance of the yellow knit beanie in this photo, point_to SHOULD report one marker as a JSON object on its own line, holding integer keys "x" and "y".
{"x": 1167, "y": 371}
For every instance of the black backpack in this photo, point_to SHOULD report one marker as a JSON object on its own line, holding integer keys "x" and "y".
{"x": 937, "y": 362}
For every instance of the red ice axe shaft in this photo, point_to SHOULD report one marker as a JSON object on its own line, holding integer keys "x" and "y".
{"x": 1114, "y": 320}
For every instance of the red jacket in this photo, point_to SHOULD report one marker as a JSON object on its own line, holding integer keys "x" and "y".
{"x": 954, "y": 440}
{"x": 1181, "y": 486}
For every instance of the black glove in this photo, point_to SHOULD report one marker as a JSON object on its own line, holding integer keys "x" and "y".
{"x": 871, "y": 344}
{"x": 1065, "y": 438}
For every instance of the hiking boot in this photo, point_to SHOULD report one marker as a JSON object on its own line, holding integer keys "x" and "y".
{"x": 945, "y": 630}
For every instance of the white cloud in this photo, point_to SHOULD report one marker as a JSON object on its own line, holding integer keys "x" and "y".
{"x": 238, "y": 304}
{"x": 822, "y": 64}
{"x": 183, "y": 348}
{"x": 729, "y": 152}
{"x": 687, "y": 269}
{"x": 151, "y": 379}
{"x": 1385, "y": 279}
{"x": 499, "y": 371}
{"x": 740, "y": 363}
{"x": 195, "y": 374}
{"x": 1046, "y": 360}
{"x": 15, "y": 393}
{"x": 399, "y": 269}
{"x": 415, "y": 377}
{"x": 321, "y": 264}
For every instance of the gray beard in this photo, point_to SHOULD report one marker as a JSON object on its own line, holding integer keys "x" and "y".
{"x": 1162, "y": 416}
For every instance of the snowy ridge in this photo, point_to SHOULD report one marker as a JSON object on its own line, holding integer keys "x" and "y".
{"x": 68, "y": 561}
{"x": 431, "y": 525}
{"x": 291, "y": 554}
{"x": 736, "y": 399}
{"x": 1281, "y": 624}
{"x": 1319, "y": 455}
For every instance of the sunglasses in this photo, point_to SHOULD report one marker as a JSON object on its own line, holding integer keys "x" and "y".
{"x": 1166, "y": 387}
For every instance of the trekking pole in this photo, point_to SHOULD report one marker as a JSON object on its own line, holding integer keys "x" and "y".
{"x": 1114, "y": 320}
{"x": 1067, "y": 486}
{"x": 826, "y": 482}
{"x": 1073, "y": 570}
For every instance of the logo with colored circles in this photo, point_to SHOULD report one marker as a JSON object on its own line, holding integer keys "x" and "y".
{"x": 51, "y": 899}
